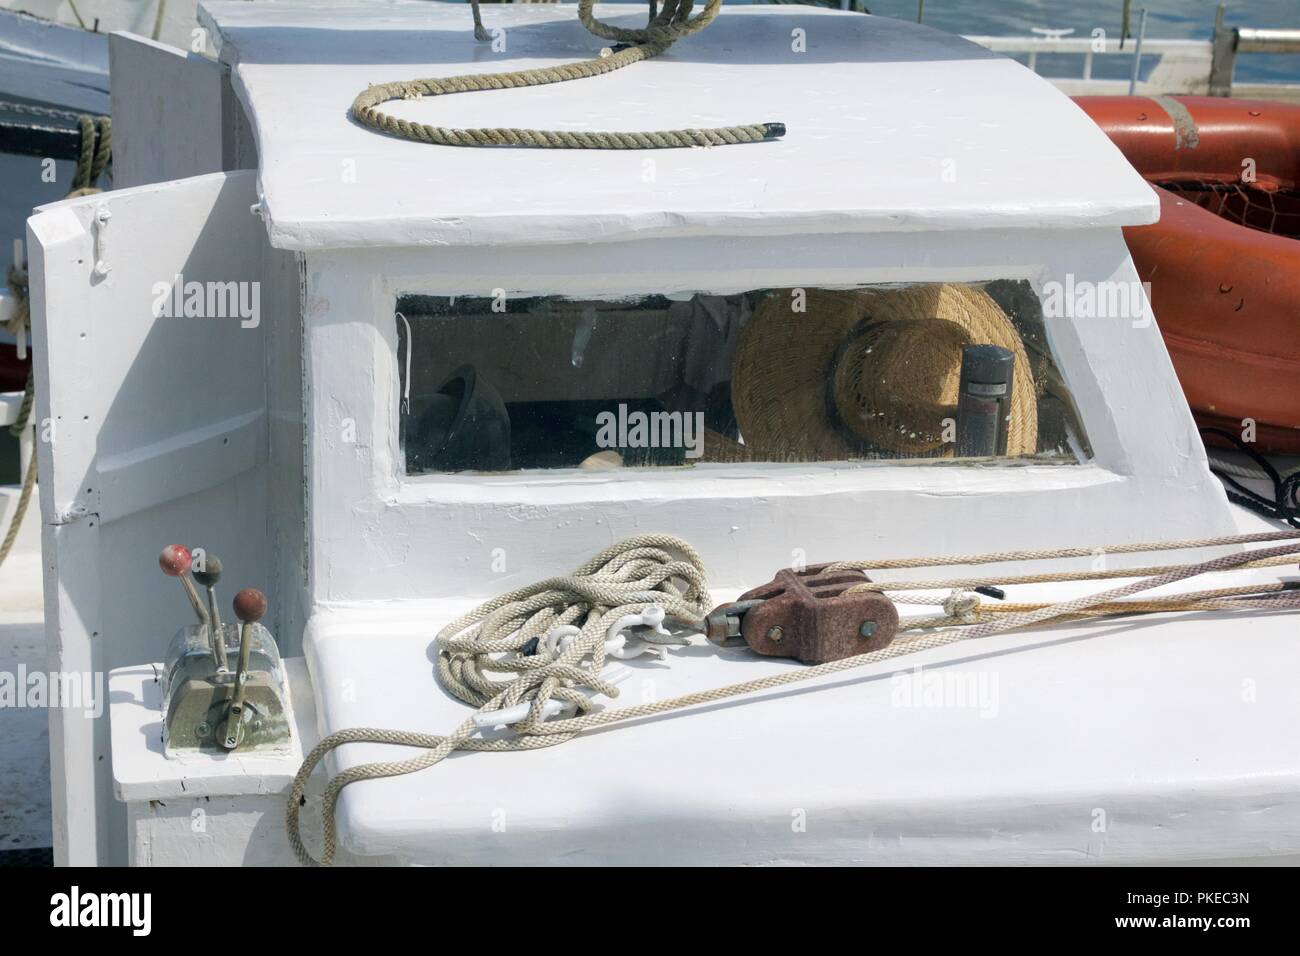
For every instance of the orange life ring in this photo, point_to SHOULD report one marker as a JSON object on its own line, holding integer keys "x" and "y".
{"x": 1224, "y": 259}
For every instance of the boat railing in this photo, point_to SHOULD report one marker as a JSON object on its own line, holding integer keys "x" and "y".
{"x": 1168, "y": 67}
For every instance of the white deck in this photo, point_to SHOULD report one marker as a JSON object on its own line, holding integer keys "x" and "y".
{"x": 1157, "y": 741}
{"x": 892, "y": 126}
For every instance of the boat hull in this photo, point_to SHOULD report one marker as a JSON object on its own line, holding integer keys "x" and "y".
{"x": 1225, "y": 289}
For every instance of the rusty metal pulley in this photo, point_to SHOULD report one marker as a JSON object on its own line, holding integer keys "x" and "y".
{"x": 806, "y": 614}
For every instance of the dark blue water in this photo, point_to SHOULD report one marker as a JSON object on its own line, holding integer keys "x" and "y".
{"x": 1166, "y": 20}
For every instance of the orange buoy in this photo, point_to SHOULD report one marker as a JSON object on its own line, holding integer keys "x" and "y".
{"x": 1223, "y": 262}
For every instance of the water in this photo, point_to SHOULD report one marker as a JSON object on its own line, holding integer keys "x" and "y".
{"x": 1166, "y": 20}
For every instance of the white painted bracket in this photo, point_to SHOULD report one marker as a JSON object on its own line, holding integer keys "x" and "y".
{"x": 100, "y": 226}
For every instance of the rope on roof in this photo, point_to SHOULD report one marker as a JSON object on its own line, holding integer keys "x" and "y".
{"x": 671, "y": 24}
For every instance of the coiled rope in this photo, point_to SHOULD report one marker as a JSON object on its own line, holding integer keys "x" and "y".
{"x": 508, "y": 635}
{"x": 671, "y": 24}
{"x": 624, "y": 578}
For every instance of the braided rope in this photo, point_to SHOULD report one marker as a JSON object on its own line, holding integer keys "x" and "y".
{"x": 999, "y": 557}
{"x": 964, "y": 607}
{"x": 96, "y": 150}
{"x": 1045, "y": 578}
{"x": 25, "y": 409}
{"x": 103, "y": 149}
{"x": 504, "y": 636}
{"x": 626, "y": 578}
{"x": 672, "y": 24}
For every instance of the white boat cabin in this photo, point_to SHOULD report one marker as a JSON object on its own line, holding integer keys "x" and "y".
{"x": 385, "y": 381}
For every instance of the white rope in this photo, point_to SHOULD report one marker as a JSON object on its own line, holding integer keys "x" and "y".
{"x": 507, "y": 635}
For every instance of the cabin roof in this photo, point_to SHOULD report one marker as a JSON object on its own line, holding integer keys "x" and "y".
{"x": 891, "y": 126}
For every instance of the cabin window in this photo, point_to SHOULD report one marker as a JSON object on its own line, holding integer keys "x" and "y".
{"x": 933, "y": 371}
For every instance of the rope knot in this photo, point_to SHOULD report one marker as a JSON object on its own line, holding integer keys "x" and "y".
{"x": 962, "y": 605}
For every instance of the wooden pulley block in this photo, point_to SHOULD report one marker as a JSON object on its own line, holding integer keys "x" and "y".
{"x": 806, "y": 614}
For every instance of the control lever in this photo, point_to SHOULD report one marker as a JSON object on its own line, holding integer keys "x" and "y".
{"x": 175, "y": 562}
{"x": 212, "y": 703}
{"x": 806, "y": 614}
{"x": 250, "y": 605}
{"x": 208, "y": 578}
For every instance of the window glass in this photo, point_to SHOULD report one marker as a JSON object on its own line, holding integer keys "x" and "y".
{"x": 932, "y": 371}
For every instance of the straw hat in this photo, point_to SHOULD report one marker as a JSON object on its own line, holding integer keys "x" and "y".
{"x": 869, "y": 370}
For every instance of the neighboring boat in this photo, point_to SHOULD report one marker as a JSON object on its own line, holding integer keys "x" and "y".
{"x": 1223, "y": 262}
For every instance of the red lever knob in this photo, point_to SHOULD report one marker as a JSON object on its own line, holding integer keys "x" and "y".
{"x": 250, "y": 605}
{"x": 175, "y": 560}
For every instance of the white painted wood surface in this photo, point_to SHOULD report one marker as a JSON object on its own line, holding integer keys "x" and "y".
{"x": 166, "y": 112}
{"x": 722, "y": 786}
{"x": 1124, "y": 742}
{"x": 892, "y": 127}
{"x": 143, "y": 772}
{"x": 156, "y": 432}
{"x": 1161, "y": 740}
{"x": 375, "y": 534}
{"x": 1143, "y": 744}
{"x": 208, "y": 811}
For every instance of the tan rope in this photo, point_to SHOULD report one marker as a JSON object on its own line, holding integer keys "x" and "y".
{"x": 1049, "y": 577}
{"x": 625, "y": 578}
{"x": 96, "y": 150}
{"x": 963, "y": 607}
{"x": 999, "y": 557}
{"x": 671, "y": 24}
